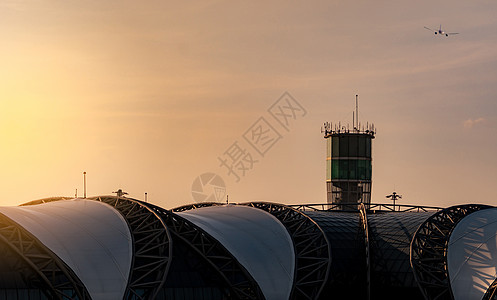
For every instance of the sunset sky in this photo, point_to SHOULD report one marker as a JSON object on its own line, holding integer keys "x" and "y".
{"x": 146, "y": 96}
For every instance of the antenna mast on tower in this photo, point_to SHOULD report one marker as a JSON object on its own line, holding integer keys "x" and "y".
{"x": 357, "y": 112}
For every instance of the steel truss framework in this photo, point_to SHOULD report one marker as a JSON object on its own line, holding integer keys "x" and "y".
{"x": 194, "y": 206}
{"x": 54, "y": 277}
{"x": 365, "y": 228}
{"x": 370, "y": 207}
{"x": 238, "y": 279}
{"x": 491, "y": 293}
{"x": 313, "y": 254}
{"x": 312, "y": 249}
{"x": 152, "y": 247}
{"x": 429, "y": 250}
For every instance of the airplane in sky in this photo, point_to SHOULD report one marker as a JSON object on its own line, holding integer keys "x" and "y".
{"x": 441, "y": 32}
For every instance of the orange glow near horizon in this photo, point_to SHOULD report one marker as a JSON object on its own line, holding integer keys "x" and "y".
{"x": 148, "y": 97}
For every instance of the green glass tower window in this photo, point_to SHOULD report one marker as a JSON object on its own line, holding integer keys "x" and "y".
{"x": 344, "y": 169}
{"x": 353, "y": 169}
{"x": 344, "y": 146}
{"x": 353, "y": 146}
{"x": 353, "y": 174}
{"x": 335, "y": 169}
{"x": 362, "y": 146}
{"x": 364, "y": 169}
{"x": 368, "y": 147}
{"x": 335, "y": 146}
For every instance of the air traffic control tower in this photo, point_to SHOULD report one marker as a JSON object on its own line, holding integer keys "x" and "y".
{"x": 348, "y": 163}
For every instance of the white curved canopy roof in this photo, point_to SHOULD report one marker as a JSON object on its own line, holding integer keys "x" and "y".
{"x": 472, "y": 255}
{"x": 89, "y": 236}
{"x": 256, "y": 239}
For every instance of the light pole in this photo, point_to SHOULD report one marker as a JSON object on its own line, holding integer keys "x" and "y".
{"x": 120, "y": 193}
{"x": 394, "y": 196}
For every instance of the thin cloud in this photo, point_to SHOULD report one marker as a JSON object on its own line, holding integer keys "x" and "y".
{"x": 469, "y": 123}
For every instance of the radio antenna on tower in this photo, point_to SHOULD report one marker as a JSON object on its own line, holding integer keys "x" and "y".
{"x": 84, "y": 184}
{"x": 357, "y": 112}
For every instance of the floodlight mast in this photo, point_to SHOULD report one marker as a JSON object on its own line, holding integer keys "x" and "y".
{"x": 394, "y": 197}
{"x": 120, "y": 193}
